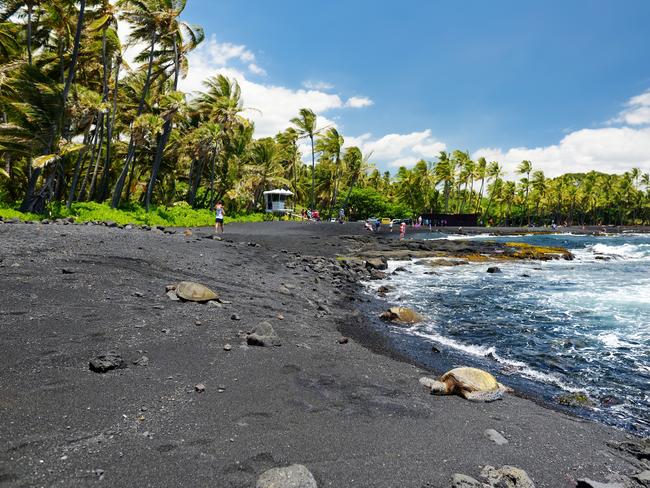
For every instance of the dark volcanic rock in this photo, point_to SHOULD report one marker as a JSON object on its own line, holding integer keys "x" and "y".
{"x": 377, "y": 263}
{"x": 494, "y": 269}
{"x": 106, "y": 362}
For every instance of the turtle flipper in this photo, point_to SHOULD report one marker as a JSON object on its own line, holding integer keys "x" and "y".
{"x": 483, "y": 396}
{"x": 436, "y": 387}
{"x": 505, "y": 389}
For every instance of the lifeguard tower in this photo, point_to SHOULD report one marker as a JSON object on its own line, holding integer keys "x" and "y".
{"x": 275, "y": 201}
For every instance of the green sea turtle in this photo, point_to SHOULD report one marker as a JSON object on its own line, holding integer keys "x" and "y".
{"x": 193, "y": 292}
{"x": 402, "y": 314}
{"x": 470, "y": 383}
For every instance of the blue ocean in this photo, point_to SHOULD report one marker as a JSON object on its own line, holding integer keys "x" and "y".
{"x": 560, "y": 327}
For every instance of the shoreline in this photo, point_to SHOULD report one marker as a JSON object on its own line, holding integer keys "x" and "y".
{"x": 312, "y": 400}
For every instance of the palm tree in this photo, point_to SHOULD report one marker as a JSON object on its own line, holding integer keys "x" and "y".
{"x": 525, "y": 167}
{"x": 142, "y": 15}
{"x": 494, "y": 173}
{"x": 444, "y": 172}
{"x": 480, "y": 174}
{"x": 176, "y": 33}
{"x": 331, "y": 146}
{"x": 306, "y": 125}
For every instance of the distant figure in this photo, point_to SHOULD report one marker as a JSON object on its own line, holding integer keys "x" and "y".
{"x": 420, "y": 221}
{"x": 303, "y": 215}
{"x": 341, "y": 215}
{"x": 369, "y": 226}
{"x": 315, "y": 215}
{"x": 390, "y": 226}
{"x": 402, "y": 230}
{"x": 377, "y": 225}
{"x": 309, "y": 214}
{"x": 218, "y": 218}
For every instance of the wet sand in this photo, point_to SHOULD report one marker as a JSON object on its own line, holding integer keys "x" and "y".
{"x": 353, "y": 413}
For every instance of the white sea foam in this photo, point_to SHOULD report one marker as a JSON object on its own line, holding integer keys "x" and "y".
{"x": 625, "y": 251}
{"x": 481, "y": 351}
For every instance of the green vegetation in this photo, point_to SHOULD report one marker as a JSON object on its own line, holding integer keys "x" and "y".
{"x": 79, "y": 127}
{"x": 180, "y": 215}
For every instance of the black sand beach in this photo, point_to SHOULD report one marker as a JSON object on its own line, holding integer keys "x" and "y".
{"x": 353, "y": 412}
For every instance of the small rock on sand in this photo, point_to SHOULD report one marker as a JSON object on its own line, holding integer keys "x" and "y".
{"x": 142, "y": 361}
{"x": 507, "y": 477}
{"x": 462, "y": 481}
{"x": 587, "y": 483}
{"x": 227, "y": 347}
{"x": 643, "y": 478}
{"x": 343, "y": 340}
{"x": 199, "y": 387}
{"x": 106, "y": 362}
{"x": 235, "y": 317}
{"x": 295, "y": 476}
{"x": 495, "y": 437}
{"x": 263, "y": 335}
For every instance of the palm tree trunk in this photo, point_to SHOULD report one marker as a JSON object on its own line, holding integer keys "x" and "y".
{"x": 93, "y": 147}
{"x": 77, "y": 170}
{"x": 162, "y": 142}
{"x": 313, "y": 170}
{"x": 119, "y": 186}
{"x": 75, "y": 54}
{"x": 29, "y": 33}
{"x": 110, "y": 123}
{"x": 93, "y": 181}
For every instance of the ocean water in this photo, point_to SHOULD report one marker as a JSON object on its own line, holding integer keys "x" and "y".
{"x": 561, "y": 326}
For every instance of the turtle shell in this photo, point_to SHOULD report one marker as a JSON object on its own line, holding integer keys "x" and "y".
{"x": 195, "y": 292}
{"x": 472, "y": 379}
{"x": 404, "y": 315}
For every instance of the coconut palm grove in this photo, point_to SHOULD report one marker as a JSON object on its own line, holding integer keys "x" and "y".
{"x": 84, "y": 133}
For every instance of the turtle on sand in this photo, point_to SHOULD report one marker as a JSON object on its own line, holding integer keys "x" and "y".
{"x": 193, "y": 292}
{"x": 470, "y": 383}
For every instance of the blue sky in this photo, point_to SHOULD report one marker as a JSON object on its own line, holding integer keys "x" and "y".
{"x": 565, "y": 83}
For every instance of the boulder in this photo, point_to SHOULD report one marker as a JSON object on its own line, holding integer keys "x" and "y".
{"x": 495, "y": 437}
{"x": 106, "y": 362}
{"x": 377, "y": 263}
{"x": 263, "y": 335}
{"x": 462, "y": 481}
{"x": 507, "y": 477}
{"x": 295, "y": 476}
{"x": 494, "y": 269}
{"x": 402, "y": 315}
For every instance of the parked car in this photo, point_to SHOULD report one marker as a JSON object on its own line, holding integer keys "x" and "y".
{"x": 385, "y": 221}
{"x": 395, "y": 221}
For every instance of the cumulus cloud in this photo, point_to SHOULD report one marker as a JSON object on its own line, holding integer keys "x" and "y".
{"x": 270, "y": 107}
{"x": 255, "y": 69}
{"x": 358, "y": 102}
{"x": 637, "y": 111}
{"x": 395, "y": 150}
{"x": 610, "y": 150}
{"x": 317, "y": 85}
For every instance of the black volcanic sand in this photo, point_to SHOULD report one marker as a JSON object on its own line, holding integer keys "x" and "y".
{"x": 354, "y": 417}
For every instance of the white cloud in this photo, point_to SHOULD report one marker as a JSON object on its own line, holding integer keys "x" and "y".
{"x": 395, "y": 150}
{"x": 271, "y": 107}
{"x": 317, "y": 85}
{"x": 610, "y": 150}
{"x": 255, "y": 69}
{"x": 358, "y": 102}
{"x": 637, "y": 110}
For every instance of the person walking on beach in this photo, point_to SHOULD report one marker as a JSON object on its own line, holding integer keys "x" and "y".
{"x": 218, "y": 218}
{"x": 402, "y": 230}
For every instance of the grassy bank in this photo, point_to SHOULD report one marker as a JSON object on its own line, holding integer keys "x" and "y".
{"x": 176, "y": 216}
